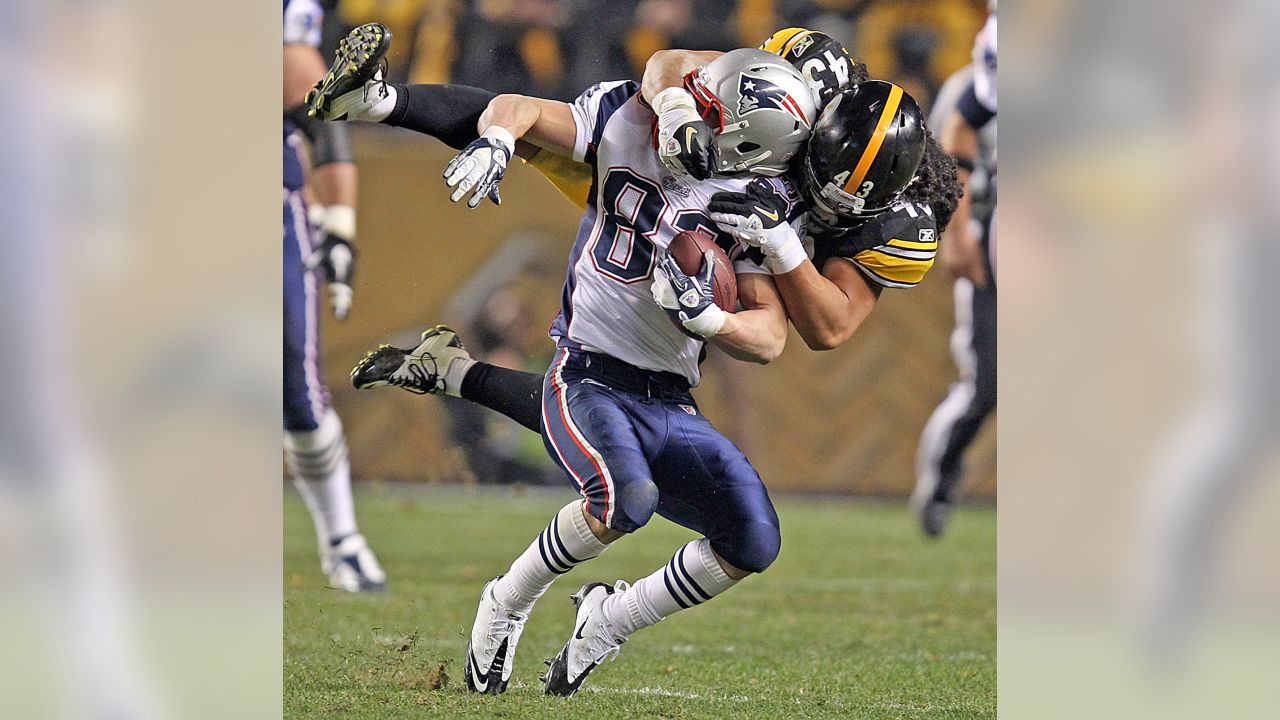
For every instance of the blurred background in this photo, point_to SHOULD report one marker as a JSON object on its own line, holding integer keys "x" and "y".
{"x": 845, "y": 421}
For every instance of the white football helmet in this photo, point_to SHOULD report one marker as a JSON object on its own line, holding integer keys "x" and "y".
{"x": 760, "y": 108}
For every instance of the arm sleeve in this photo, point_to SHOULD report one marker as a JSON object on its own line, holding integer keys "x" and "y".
{"x": 302, "y": 22}
{"x": 592, "y": 110}
{"x": 330, "y": 141}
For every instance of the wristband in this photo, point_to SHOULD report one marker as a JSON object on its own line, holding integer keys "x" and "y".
{"x": 674, "y": 98}
{"x": 787, "y": 255}
{"x": 340, "y": 220}
{"x": 709, "y": 323}
{"x": 502, "y": 135}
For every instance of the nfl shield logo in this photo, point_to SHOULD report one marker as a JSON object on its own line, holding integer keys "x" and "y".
{"x": 755, "y": 93}
{"x": 689, "y": 409}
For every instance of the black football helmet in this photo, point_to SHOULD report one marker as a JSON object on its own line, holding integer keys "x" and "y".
{"x": 864, "y": 151}
{"x": 820, "y": 58}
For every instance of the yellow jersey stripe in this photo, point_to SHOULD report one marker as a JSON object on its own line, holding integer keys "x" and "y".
{"x": 913, "y": 244}
{"x": 877, "y": 139}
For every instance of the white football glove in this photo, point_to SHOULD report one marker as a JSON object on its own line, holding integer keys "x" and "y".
{"x": 481, "y": 165}
{"x": 757, "y": 217}
{"x": 688, "y": 298}
{"x": 686, "y": 144}
{"x": 335, "y": 255}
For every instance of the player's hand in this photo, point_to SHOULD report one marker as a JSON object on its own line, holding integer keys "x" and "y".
{"x": 686, "y": 144}
{"x": 334, "y": 255}
{"x": 961, "y": 254}
{"x": 481, "y": 166}
{"x": 757, "y": 218}
{"x": 688, "y": 299}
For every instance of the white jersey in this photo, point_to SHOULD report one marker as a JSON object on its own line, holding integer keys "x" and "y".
{"x": 635, "y": 208}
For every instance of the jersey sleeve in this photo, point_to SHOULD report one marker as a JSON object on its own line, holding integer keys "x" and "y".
{"x": 592, "y": 110}
{"x": 984, "y": 66}
{"x": 302, "y": 22}
{"x": 572, "y": 179}
{"x": 893, "y": 251}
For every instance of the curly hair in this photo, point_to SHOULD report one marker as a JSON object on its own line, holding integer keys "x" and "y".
{"x": 936, "y": 182}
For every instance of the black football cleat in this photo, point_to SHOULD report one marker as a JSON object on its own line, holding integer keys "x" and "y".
{"x": 419, "y": 369}
{"x": 357, "y": 78}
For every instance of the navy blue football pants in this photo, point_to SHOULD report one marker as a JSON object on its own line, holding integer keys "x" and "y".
{"x": 305, "y": 396}
{"x": 634, "y": 442}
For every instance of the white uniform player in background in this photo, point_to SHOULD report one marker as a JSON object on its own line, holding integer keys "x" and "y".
{"x": 314, "y": 443}
{"x": 965, "y": 110}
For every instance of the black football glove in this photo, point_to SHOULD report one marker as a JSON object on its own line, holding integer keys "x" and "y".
{"x": 686, "y": 144}
{"x": 335, "y": 256}
{"x": 688, "y": 299}
{"x": 758, "y": 217}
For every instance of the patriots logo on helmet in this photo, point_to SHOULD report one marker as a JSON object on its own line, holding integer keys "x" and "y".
{"x": 755, "y": 93}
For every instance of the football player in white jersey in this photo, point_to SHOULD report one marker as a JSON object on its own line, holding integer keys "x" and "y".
{"x": 314, "y": 443}
{"x": 447, "y": 368}
{"x": 966, "y": 112}
{"x": 617, "y": 413}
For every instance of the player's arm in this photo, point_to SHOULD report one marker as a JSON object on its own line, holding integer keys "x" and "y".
{"x": 480, "y": 166}
{"x": 667, "y": 68}
{"x": 826, "y": 307}
{"x": 332, "y": 178}
{"x": 546, "y": 123}
{"x": 686, "y": 144}
{"x": 758, "y": 332}
{"x": 960, "y": 251}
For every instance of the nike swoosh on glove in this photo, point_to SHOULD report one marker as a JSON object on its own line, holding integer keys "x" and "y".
{"x": 758, "y": 217}
{"x": 686, "y": 144}
{"x": 481, "y": 166}
{"x": 335, "y": 256}
{"x": 688, "y": 299}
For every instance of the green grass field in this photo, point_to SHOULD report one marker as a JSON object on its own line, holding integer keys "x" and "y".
{"x": 860, "y": 617}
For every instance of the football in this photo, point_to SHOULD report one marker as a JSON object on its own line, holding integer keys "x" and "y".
{"x": 687, "y": 248}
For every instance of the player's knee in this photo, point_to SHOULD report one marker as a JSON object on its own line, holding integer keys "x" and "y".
{"x": 754, "y": 547}
{"x": 633, "y": 505}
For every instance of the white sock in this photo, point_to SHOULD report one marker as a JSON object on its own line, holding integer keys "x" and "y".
{"x": 317, "y": 459}
{"x": 565, "y": 543}
{"x": 383, "y": 106}
{"x": 693, "y": 576}
{"x": 454, "y": 373}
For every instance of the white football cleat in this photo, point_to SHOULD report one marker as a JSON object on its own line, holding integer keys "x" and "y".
{"x": 594, "y": 640}
{"x": 352, "y": 566}
{"x": 491, "y": 650}
{"x": 420, "y": 369}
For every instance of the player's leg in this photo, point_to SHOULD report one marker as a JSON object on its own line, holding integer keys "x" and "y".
{"x": 707, "y": 485}
{"x": 588, "y": 431}
{"x": 315, "y": 446}
{"x": 355, "y": 89}
{"x": 957, "y": 420}
{"x": 441, "y": 365}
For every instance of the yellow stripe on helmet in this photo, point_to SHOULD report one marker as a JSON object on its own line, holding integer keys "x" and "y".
{"x": 877, "y": 139}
